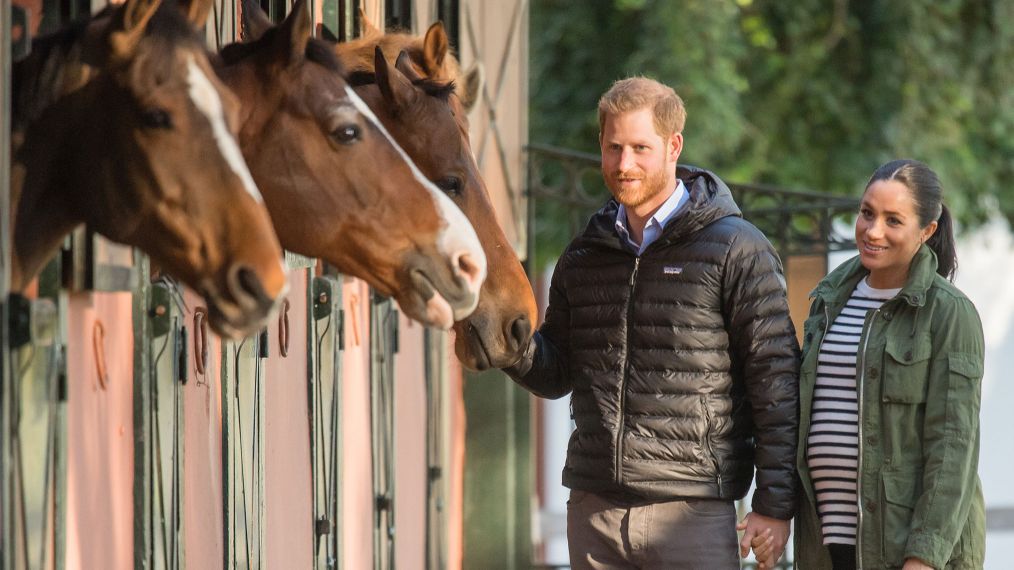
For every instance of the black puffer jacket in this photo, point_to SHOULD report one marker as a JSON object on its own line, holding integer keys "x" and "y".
{"x": 683, "y": 362}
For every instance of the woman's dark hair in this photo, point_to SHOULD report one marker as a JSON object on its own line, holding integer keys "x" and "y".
{"x": 929, "y": 207}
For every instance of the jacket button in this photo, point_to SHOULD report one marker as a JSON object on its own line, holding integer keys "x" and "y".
{"x": 887, "y": 315}
{"x": 871, "y": 506}
{"x": 908, "y": 356}
{"x": 874, "y": 372}
{"x": 871, "y": 440}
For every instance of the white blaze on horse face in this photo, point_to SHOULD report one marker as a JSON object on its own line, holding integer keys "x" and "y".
{"x": 458, "y": 235}
{"x": 205, "y": 97}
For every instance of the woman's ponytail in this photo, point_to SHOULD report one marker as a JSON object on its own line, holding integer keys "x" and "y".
{"x": 942, "y": 243}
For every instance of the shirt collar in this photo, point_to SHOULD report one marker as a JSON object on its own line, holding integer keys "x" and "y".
{"x": 659, "y": 219}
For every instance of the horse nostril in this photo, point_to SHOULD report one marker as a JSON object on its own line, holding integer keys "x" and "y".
{"x": 245, "y": 283}
{"x": 521, "y": 330}
{"x": 469, "y": 270}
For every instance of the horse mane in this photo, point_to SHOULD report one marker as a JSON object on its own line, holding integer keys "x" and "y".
{"x": 358, "y": 53}
{"x": 439, "y": 89}
{"x": 40, "y": 79}
{"x": 317, "y": 51}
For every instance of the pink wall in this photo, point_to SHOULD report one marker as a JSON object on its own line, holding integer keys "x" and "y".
{"x": 357, "y": 475}
{"x": 203, "y": 519}
{"x": 100, "y": 434}
{"x": 410, "y": 447}
{"x": 287, "y": 470}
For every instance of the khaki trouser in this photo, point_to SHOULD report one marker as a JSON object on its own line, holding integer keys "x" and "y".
{"x": 674, "y": 535}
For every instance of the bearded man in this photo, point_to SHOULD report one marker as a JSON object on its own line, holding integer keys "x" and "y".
{"x": 668, "y": 322}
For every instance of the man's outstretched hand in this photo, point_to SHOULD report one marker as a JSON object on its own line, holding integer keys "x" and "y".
{"x": 766, "y": 536}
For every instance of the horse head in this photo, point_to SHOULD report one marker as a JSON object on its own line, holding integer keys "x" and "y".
{"x": 427, "y": 117}
{"x": 138, "y": 142}
{"x": 337, "y": 185}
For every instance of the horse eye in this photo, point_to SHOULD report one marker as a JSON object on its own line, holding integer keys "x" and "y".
{"x": 156, "y": 118}
{"x": 347, "y": 134}
{"x": 450, "y": 184}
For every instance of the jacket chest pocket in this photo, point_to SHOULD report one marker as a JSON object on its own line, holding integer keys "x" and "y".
{"x": 906, "y": 369}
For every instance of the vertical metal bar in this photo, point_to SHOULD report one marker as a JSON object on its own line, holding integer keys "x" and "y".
{"x": 143, "y": 475}
{"x": 6, "y": 392}
{"x": 449, "y": 12}
{"x": 6, "y": 75}
{"x": 228, "y": 466}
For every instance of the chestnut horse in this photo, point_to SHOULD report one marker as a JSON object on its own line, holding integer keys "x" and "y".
{"x": 121, "y": 123}
{"x": 425, "y": 108}
{"x": 336, "y": 185}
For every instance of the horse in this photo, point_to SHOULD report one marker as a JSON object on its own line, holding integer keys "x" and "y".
{"x": 120, "y": 122}
{"x": 425, "y": 108}
{"x": 336, "y": 184}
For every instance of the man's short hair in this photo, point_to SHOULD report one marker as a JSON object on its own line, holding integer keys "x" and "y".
{"x": 635, "y": 93}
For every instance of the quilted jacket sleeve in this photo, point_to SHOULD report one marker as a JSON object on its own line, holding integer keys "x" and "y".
{"x": 542, "y": 370}
{"x": 765, "y": 356}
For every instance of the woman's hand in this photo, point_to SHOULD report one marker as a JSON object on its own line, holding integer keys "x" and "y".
{"x": 916, "y": 564}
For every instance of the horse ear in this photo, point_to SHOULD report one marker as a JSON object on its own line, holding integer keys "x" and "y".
{"x": 367, "y": 27}
{"x": 197, "y": 12}
{"x": 406, "y": 67}
{"x": 295, "y": 32}
{"x": 325, "y": 33}
{"x": 130, "y": 25}
{"x": 471, "y": 86}
{"x": 394, "y": 86}
{"x": 435, "y": 46}
{"x": 255, "y": 21}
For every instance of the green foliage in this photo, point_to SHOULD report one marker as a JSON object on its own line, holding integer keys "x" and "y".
{"x": 808, "y": 94}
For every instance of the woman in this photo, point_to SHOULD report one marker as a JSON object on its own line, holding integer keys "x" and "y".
{"x": 889, "y": 394}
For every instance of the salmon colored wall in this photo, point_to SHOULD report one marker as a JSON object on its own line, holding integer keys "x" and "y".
{"x": 288, "y": 484}
{"x": 410, "y": 447}
{"x": 203, "y": 519}
{"x": 357, "y": 474}
{"x": 100, "y": 434}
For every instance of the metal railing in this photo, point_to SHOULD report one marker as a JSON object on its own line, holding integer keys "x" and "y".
{"x": 566, "y": 186}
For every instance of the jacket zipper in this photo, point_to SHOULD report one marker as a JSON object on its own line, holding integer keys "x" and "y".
{"x": 623, "y": 379}
{"x": 707, "y": 444}
{"x": 860, "y": 380}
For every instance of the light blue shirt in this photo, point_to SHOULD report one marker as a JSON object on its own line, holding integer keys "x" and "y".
{"x": 656, "y": 223}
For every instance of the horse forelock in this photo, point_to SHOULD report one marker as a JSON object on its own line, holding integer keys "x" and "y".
{"x": 434, "y": 88}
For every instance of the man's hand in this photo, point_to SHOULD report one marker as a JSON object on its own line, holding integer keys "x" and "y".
{"x": 916, "y": 564}
{"x": 767, "y": 537}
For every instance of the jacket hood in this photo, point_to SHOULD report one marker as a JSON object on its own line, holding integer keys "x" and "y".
{"x": 838, "y": 285}
{"x": 710, "y": 200}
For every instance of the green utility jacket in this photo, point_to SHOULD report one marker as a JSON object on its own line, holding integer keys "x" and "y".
{"x": 920, "y": 370}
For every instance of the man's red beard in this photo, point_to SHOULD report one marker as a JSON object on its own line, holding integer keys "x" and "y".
{"x": 651, "y": 185}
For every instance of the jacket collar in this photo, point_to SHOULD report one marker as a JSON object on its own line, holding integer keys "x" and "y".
{"x": 838, "y": 285}
{"x": 710, "y": 200}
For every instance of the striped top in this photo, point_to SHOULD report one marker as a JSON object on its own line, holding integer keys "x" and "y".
{"x": 832, "y": 450}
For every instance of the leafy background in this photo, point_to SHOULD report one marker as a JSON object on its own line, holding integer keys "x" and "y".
{"x": 808, "y": 94}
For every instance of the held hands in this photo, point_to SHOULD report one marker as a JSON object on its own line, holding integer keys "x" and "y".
{"x": 767, "y": 537}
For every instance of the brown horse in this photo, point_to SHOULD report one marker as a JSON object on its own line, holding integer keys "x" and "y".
{"x": 120, "y": 123}
{"x": 425, "y": 111}
{"x": 336, "y": 185}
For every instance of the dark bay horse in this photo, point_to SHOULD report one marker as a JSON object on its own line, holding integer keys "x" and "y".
{"x": 120, "y": 122}
{"x": 424, "y": 107}
{"x": 336, "y": 184}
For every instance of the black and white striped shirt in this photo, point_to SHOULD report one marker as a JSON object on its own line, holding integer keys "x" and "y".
{"x": 832, "y": 450}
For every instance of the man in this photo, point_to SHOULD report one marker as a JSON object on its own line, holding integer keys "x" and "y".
{"x": 668, "y": 322}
